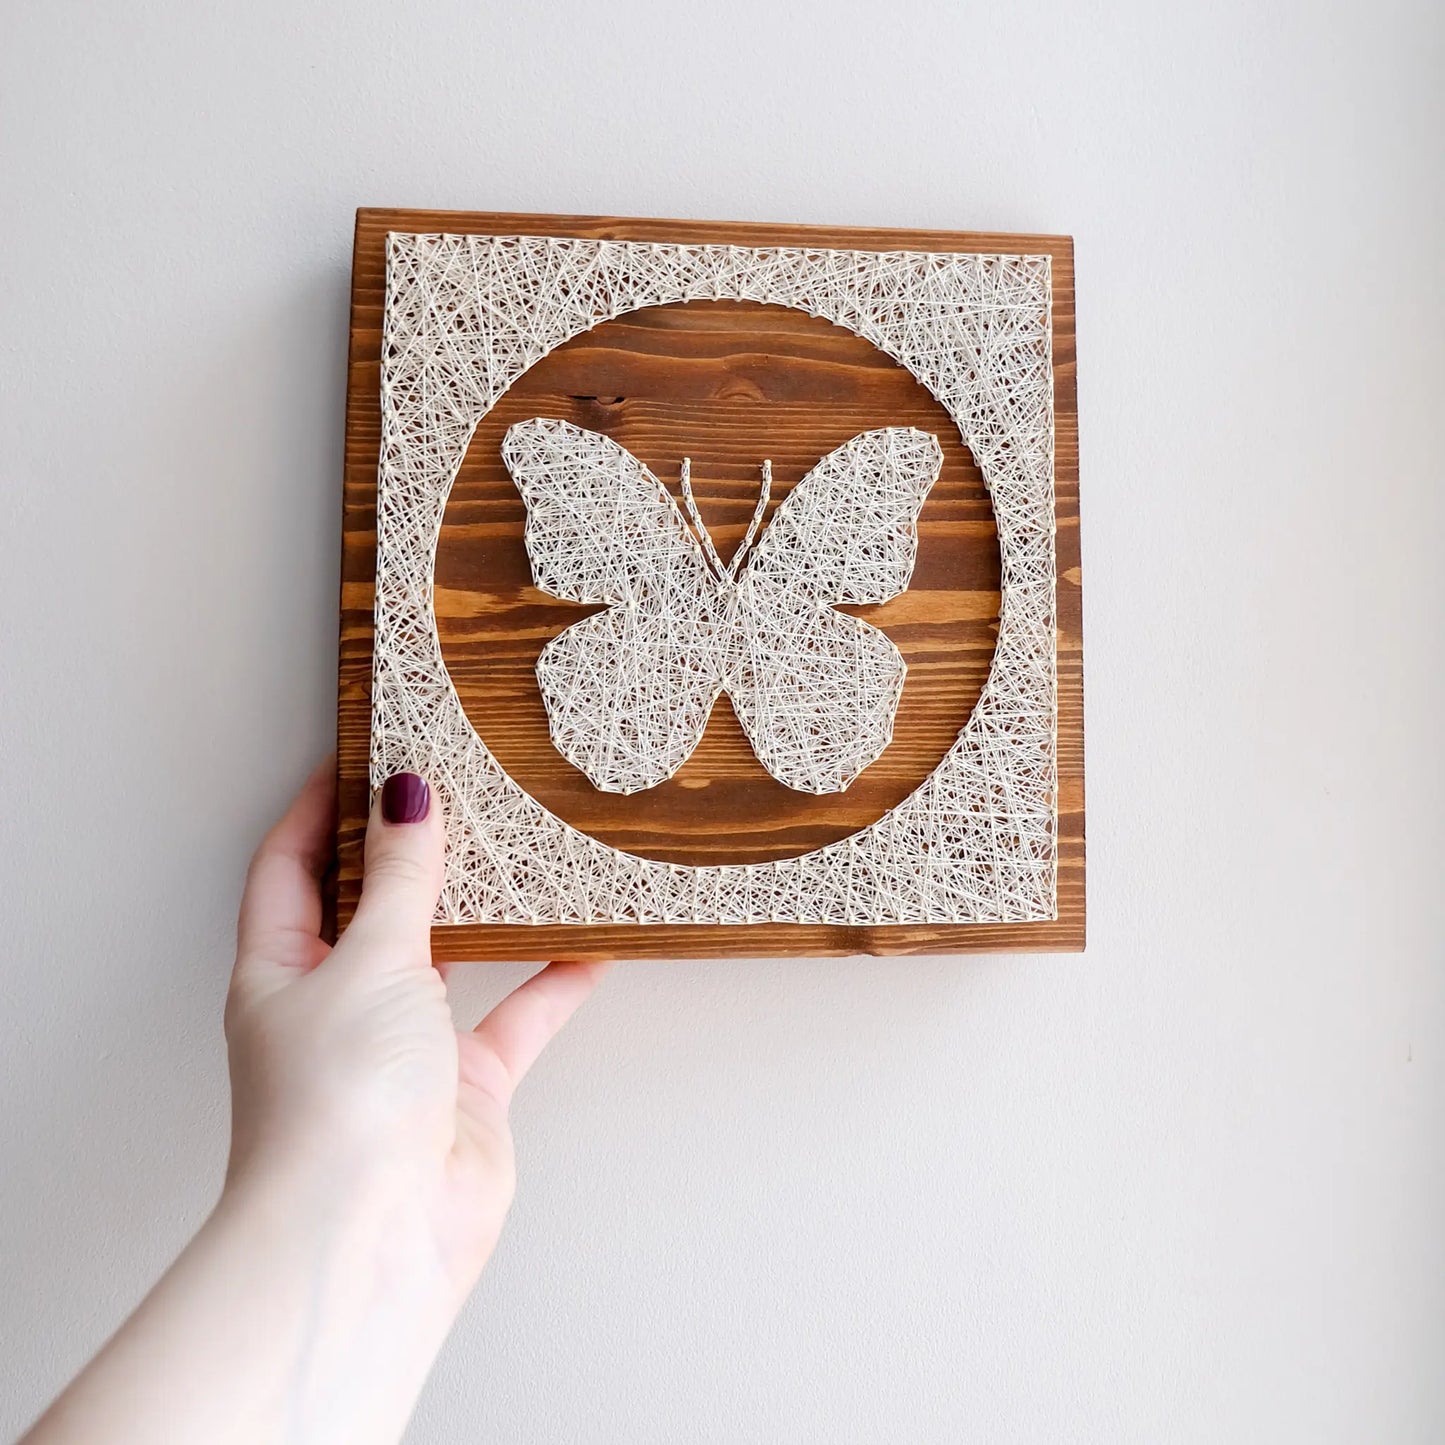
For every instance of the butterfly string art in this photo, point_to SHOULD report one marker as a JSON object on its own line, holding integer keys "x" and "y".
{"x": 629, "y": 691}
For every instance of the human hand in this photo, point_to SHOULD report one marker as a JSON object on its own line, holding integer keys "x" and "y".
{"x": 371, "y": 1163}
{"x": 347, "y": 1072}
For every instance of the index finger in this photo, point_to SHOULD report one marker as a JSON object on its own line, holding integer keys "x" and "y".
{"x": 527, "y": 1020}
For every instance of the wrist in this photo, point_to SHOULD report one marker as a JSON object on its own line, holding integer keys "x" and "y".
{"x": 303, "y": 1309}
{"x": 362, "y": 1239}
{"x": 296, "y": 1187}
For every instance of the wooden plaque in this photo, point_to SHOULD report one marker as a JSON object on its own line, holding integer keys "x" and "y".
{"x": 725, "y": 383}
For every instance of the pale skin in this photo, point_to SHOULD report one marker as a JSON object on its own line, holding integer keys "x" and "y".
{"x": 370, "y": 1172}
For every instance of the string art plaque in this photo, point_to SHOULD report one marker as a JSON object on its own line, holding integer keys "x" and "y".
{"x": 722, "y": 580}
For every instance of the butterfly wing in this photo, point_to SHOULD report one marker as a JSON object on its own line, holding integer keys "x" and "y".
{"x": 600, "y": 526}
{"x": 815, "y": 689}
{"x": 628, "y": 691}
{"x": 848, "y": 532}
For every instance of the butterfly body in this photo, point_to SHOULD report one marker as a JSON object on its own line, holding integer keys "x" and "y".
{"x": 629, "y": 690}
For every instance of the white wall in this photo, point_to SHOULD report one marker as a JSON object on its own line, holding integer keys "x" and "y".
{"x": 1188, "y": 1187}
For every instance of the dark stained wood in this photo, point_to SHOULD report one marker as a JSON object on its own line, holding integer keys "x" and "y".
{"x": 726, "y": 383}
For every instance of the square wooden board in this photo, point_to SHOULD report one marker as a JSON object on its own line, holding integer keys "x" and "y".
{"x": 747, "y": 378}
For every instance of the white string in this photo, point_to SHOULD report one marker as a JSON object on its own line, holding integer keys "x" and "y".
{"x": 728, "y": 573}
{"x": 628, "y": 691}
{"x": 975, "y": 842}
{"x": 740, "y": 556}
{"x": 701, "y": 531}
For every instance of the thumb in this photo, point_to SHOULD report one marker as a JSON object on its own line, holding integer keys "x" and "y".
{"x": 402, "y": 877}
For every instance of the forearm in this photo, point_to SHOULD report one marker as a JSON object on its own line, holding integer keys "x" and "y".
{"x": 372, "y": 1163}
{"x": 302, "y": 1311}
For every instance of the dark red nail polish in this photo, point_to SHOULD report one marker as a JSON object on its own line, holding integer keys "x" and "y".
{"x": 405, "y": 798}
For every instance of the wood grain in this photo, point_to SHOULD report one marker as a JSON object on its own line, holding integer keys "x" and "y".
{"x": 727, "y": 384}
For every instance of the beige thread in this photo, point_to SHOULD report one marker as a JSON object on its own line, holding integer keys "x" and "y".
{"x": 975, "y": 842}
{"x": 629, "y": 691}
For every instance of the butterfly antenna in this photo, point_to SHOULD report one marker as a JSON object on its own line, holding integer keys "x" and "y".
{"x": 757, "y": 520}
{"x": 702, "y": 532}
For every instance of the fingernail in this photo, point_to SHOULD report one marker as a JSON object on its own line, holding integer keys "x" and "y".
{"x": 405, "y": 798}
